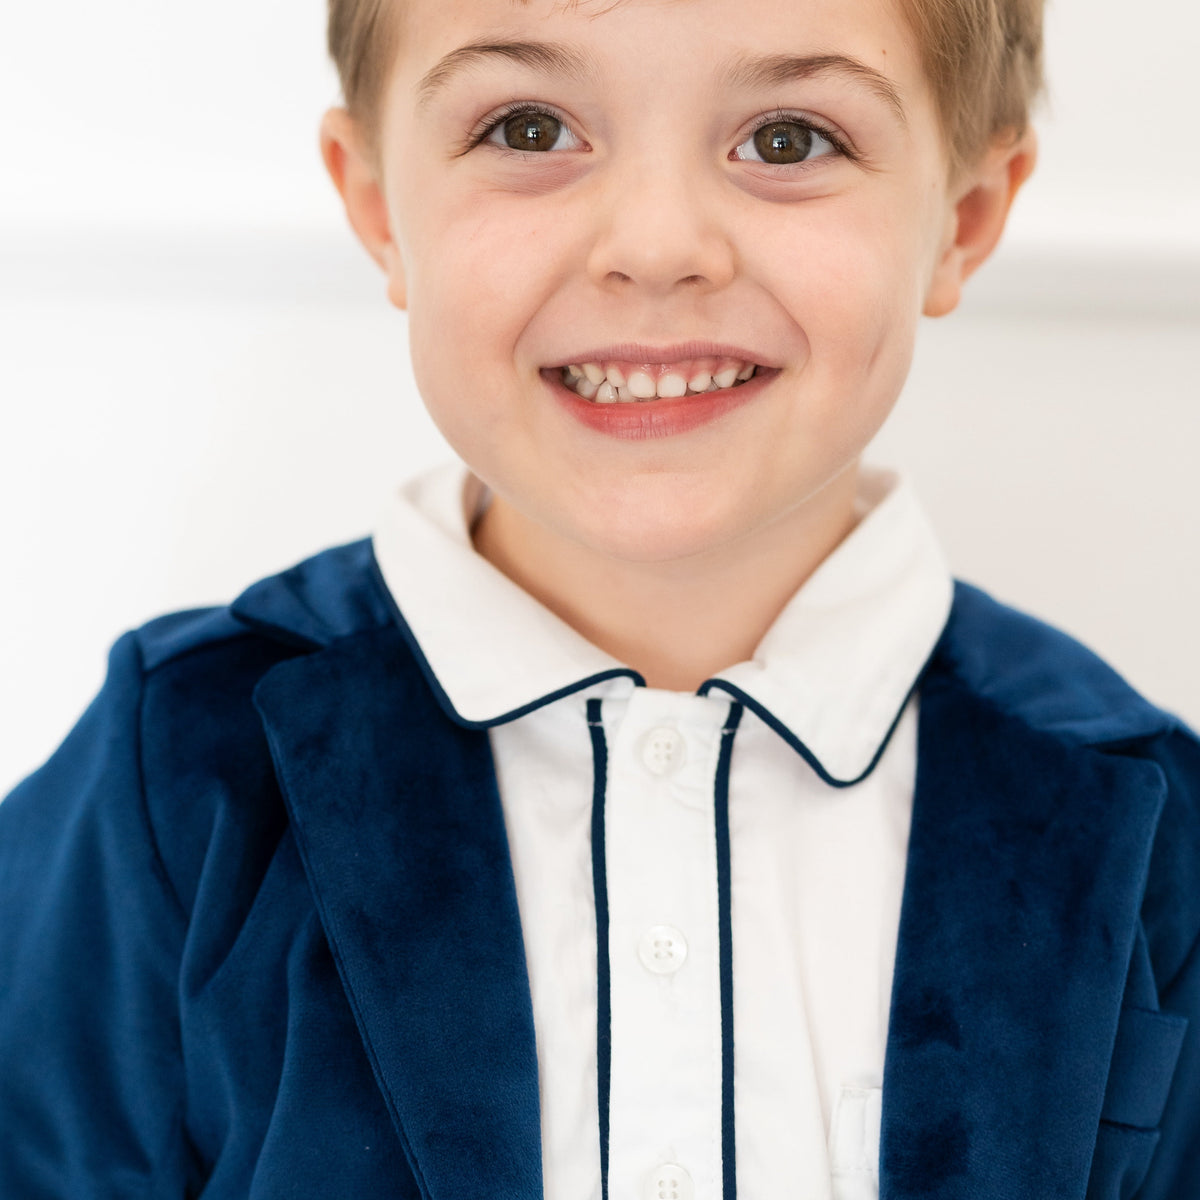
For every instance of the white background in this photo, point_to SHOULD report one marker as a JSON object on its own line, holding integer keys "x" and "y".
{"x": 201, "y": 381}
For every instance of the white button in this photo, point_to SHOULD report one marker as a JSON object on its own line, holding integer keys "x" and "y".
{"x": 662, "y": 950}
{"x": 669, "y": 1182}
{"x": 662, "y": 750}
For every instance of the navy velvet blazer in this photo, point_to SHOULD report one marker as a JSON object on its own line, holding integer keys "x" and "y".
{"x": 259, "y": 935}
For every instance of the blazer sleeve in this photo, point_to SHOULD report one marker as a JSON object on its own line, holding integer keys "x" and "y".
{"x": 91, "y": 933}
{"x": 1172, "y": 919}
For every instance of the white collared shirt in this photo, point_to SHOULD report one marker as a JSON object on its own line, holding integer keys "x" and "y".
{"x": 817, "y": 780}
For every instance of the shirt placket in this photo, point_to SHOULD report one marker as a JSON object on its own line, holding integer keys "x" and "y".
{"x": 661, "y": 857}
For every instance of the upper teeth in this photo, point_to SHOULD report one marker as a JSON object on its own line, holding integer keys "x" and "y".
{"x": 610, "y": 383}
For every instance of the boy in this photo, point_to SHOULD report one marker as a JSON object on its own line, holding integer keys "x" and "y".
{"x": 644, "y": 813}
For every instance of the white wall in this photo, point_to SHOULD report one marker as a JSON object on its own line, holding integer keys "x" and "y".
{"x": 200, "y": 380}
{"x": 1116, "y": 171}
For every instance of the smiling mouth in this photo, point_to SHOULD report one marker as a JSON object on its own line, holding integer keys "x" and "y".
{"x": 630, "y": 383}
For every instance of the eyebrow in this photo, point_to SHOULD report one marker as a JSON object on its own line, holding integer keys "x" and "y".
{"x": 771, "y": 70}
{"x": 746, "y": 71}
{"x": 547, "y": 58}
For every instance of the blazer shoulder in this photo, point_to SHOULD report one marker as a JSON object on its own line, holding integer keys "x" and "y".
{"x": 184, "y": 684}
{"x": 1042, "y": 676}
{"x": 333, "y": 594}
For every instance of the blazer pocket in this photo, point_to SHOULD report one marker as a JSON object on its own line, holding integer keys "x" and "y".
{"x": 1143, "y": 1066}
{"x": 1139, "y": 1080}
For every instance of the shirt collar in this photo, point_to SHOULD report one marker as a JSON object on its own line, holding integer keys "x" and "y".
{"x": 831, "y": 675}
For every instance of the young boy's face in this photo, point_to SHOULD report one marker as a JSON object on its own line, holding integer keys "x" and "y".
{"x": 702, "y": 184}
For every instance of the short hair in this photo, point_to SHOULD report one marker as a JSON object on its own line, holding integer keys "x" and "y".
{"x": 983, "y": 59}
{"x": 362, "y": 37}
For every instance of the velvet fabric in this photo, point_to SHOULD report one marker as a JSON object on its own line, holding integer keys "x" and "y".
{"x": 259, "y": 935}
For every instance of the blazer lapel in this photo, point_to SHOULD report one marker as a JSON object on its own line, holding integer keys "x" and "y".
{"x": 398, "y": 819}
{"x": 1027, "y": 862}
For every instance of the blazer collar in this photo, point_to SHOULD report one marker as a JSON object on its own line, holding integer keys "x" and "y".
{"x": 398, "y": 821}
{"x": 1028, "y": 857}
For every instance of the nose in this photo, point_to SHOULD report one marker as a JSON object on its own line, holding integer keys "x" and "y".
{"x": 660, "y": 227}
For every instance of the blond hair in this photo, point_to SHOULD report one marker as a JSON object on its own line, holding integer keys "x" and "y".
{"x": 362, "y": 37}
{"x": 983, "y": 59}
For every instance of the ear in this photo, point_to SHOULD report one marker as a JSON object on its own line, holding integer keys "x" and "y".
{"x": 356, "y": 176}
{"x": 979, "y": 208}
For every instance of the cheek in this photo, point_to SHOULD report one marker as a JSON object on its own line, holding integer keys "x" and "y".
{"x": 480, "y": 272}
{"x": 480, "y": 256}
{"x": 852, "y": 286}
{"x": 469, "y": 284}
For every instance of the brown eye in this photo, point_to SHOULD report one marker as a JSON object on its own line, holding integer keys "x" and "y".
{"x": 784, "y": 142}
{"x": 789, "y": 142}
{"x": 532, "y": 131}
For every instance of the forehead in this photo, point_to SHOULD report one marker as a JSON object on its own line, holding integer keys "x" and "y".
{"x": 663, "y": 32}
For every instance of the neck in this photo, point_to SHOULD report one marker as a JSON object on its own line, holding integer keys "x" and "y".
{"x": 676, "y": 622}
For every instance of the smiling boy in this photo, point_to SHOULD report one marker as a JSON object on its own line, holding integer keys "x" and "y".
{"x": 643, "y": 233}
{"x": 643, "y": 811}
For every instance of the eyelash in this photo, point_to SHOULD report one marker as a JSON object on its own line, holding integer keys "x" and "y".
{"x": 495, "y": 120}
{"x": 783, "y": 116}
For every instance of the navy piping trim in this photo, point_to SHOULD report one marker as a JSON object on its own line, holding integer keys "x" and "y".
{"x": 440, "y": 693}
{"x": 603, "y": 968}
{"x": 768, "y": 718}
{"x": 725, "y": 936}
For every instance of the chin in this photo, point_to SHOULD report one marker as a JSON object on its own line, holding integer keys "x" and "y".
{"x": 669, "y": 532}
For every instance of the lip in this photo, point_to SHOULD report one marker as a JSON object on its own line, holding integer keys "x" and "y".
{"x": 653, "y": 419}
{"x": 639, "y": 352}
